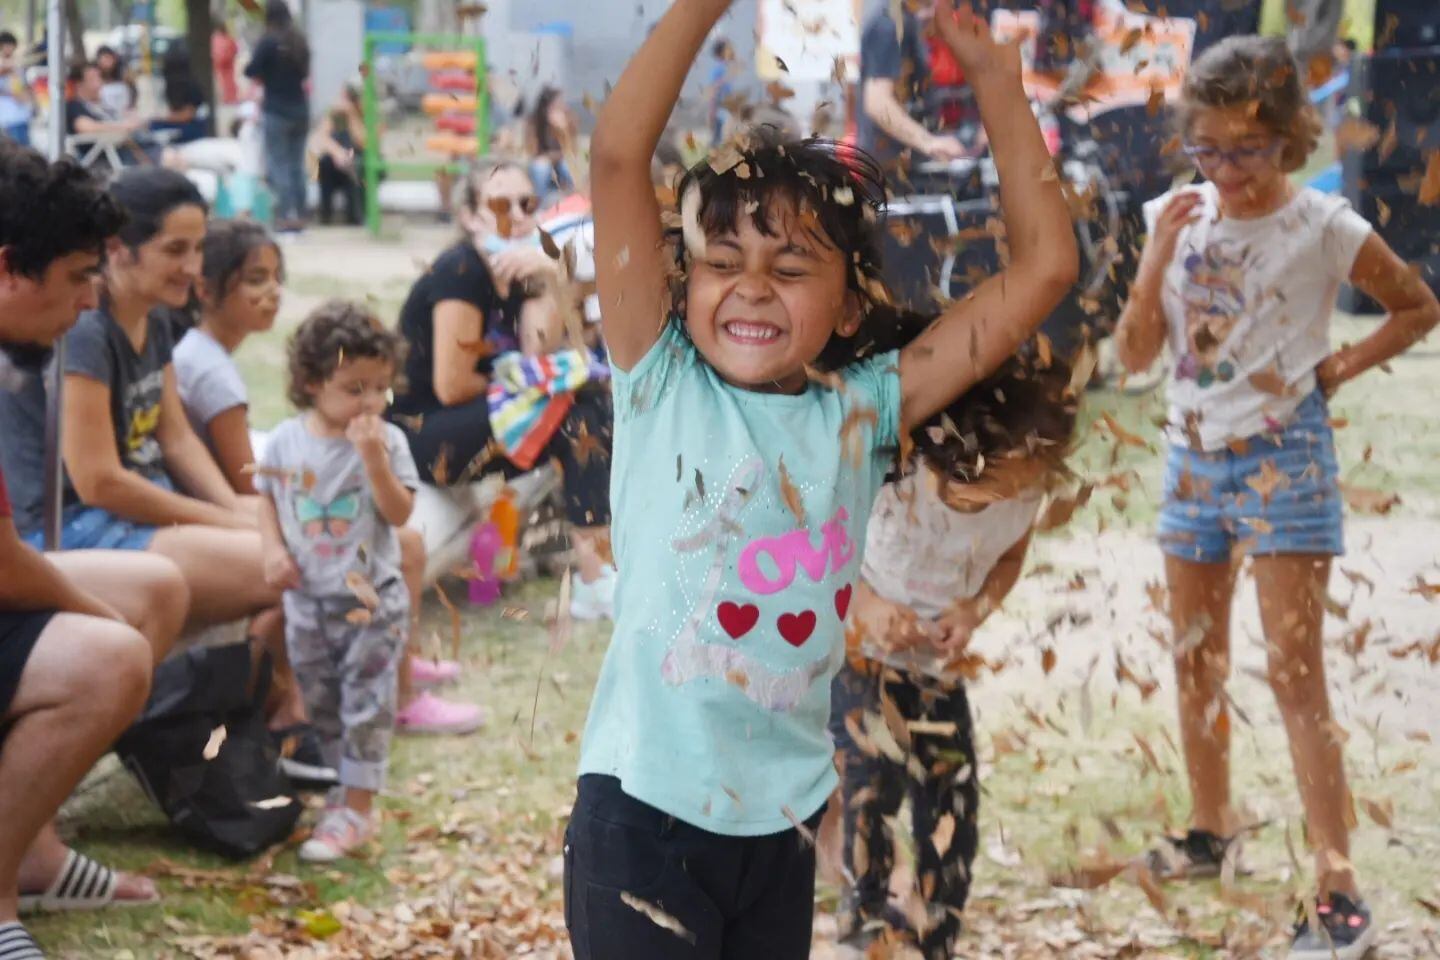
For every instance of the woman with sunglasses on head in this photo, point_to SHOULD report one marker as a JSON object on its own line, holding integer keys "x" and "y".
{"x": 1239, "y": 276}
{"x": 465, "y": 311}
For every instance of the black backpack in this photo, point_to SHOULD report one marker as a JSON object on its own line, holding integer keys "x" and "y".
{"x": 238, "y": 803}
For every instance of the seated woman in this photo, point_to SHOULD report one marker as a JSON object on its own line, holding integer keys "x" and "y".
{"x": 239, "y": 291}
{"x": 549, "y": 137}
{"x": 338, "y": 142}
{"x": 183, "y": 99}
{"x": 462, "y": 313}
{"x": 136, "y": 475}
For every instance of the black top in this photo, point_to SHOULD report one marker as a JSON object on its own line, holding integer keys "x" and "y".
{"x": 283, "y": 77}
{"x": 458, "y": 274}
{"x": 75, "y": 109}
{"x": 884, "y": 56}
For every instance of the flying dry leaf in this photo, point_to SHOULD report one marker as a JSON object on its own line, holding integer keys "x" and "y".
{"x": 944, "y": 834}
{"x": 216, "y": 741}
{"x": 274, "y": 803}
{"x": 791, "y": 494}
{"x": 1120, "y": 433}
{"x": 1089, "y": 876}
{"x": 358, "y": 585}
{"x": 1382, "y": 811}
{"x": 1156, "y": 101}
{"x": 1430, "y": 184}
{"x": 1267, "y": 481}
{"x": 1270, "y": 381}
{"x": 656, "y": 916}
{"x": 1366, "y": 500}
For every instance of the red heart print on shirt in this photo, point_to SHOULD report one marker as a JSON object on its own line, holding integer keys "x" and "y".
{"x": 737, "y": 620}
{"x": 796, "y": 627}
{"x": 842, "y": 600}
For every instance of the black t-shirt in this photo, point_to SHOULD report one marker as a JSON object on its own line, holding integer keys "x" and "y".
{"x": 885, "y": 56}
{"x": 458, "y": 274}
{"x": 75, "y": 109}
{"x": 282, "y": 75}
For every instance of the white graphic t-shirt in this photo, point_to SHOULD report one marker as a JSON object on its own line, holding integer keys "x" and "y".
{"x": 1248, "y": 305}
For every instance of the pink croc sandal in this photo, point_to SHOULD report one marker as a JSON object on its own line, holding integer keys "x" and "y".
{"x": 427, "y": 713}
{"x": 425, "y": 672}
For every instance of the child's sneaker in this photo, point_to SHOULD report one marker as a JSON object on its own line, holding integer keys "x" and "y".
{"x": 1194, "y": 855}
{"x": 341, "y": 831}
{"x": 593, "y": 601}
{"x": 427, "y": 713}
{"x": 425, "y": 672}
{"x": 1346, "y": 931}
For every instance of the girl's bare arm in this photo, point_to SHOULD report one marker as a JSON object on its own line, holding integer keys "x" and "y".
{"x": 975, "y": 335}
{"x": 1409, "y": 301}
{"x": 629, "y": 261}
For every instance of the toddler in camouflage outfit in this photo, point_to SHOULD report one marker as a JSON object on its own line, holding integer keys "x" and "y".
{"x": 336, "y": 480}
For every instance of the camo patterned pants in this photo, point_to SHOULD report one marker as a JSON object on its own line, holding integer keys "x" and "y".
{"x": 936, "y": 772}
{"x": 347, "y": 670}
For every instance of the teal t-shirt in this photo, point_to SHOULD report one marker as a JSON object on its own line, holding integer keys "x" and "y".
{"x": 738, "y": 523}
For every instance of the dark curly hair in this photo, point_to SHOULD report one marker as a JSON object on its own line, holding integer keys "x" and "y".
{"x": 50, "y": 210}
{"x": 1260, "y": 73}
{"x": 840, "y": 191}
{"x": 1025, "y": 408}
{"x": 334, "y": 332}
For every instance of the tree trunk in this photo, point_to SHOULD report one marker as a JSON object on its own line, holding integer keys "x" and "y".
{"x": 198, "y": 27}
{"x": 75, "y": 27}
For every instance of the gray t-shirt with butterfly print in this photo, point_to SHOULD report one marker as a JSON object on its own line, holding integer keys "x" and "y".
{"x": 327, "y": 511}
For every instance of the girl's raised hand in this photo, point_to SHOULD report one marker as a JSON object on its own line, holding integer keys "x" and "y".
{"x": 969, "y": 38}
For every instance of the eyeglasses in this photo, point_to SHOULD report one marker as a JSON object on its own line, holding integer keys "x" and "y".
{"x": 500, "y": 206}
{"x": 1244, "y": 158}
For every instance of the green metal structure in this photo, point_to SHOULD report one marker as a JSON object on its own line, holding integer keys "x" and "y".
{"x": 375, "y": 162}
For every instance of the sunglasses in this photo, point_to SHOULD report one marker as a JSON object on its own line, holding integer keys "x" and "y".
{"x": 501, "y": 206}
{"x": 1243, "y": 158}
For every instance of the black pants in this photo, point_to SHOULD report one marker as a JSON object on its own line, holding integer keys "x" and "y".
{"x": 874, "y": 786}
{"x": 348, "y": 184}
{"x": 736, "y": 898}
{"x": 459, "y": 437}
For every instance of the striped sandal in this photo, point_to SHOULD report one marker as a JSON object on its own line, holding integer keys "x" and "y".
{"x": 17, "y": 944}
{"x": 81, "y": 884}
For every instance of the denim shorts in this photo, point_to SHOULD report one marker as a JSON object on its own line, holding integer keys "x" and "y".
{"x": 84, "y": 527}
{"x": 91, "y": 528}
{"x": 1273, "y": 493}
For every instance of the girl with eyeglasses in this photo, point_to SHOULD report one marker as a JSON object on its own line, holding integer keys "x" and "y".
{"x": 1239, "y": 277}
{"x": 461, "y": 315}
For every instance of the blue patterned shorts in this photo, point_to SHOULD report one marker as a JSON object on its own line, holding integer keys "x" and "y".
{"x": 1280, "y": 494}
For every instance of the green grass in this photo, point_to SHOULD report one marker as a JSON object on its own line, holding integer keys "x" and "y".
{"x": 499, "y": 792}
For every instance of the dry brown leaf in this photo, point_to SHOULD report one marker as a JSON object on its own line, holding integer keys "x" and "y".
{"x": 216, "y": 741}
{"x": 791, "y": 494}
{"x": 1366, "y": 500}
{"x": 1430, "y": 183}
{"x": 944, "y": 834}
{"x": 1120, "y": 433}
{"x": 1381, "y": 811}
{"x": 362, "y": 589}
{"x": 1270, "y": 381}
{"x": 656, "y": 916}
